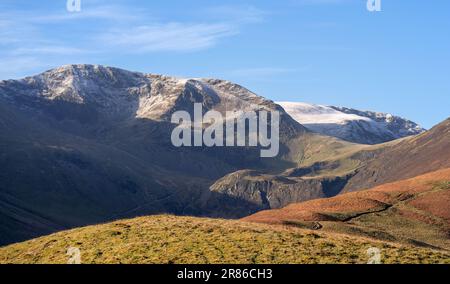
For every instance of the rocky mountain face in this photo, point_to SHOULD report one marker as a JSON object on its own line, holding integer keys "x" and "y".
{"x": 264, "y": 191}
{"x": 363, "y": 127}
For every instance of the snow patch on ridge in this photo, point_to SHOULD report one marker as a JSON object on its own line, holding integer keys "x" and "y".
{"x": 306, "y": 114}
{"x": 356, "y": 126}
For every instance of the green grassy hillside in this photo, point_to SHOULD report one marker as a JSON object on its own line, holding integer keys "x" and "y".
{"x": 170, "y": 239}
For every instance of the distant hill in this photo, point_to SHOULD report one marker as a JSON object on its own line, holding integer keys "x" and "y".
{"x": 170, "y": 239}
{"x": 364, "y": 127}
{"x": 403, "y": 159}
{"x": 413, "y": 211}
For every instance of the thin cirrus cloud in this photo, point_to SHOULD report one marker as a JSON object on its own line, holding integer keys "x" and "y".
{"x": 224, "y": 21}
{"x": 27, "y": 40}
{"x": 135, "y": 29}
{"x": 168, "y": 37}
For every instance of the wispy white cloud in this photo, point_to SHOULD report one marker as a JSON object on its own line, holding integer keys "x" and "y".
{"x": 168, "y": 37}
{"x": 125, "y": 27}
{"x": 217, "y": 23}
{"x": 28, "y": 40}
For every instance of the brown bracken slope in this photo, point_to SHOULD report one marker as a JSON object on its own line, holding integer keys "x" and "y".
{"x": 415, "y": 210}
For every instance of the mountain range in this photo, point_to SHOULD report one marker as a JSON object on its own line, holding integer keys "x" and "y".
{"x": 86, "y": 144}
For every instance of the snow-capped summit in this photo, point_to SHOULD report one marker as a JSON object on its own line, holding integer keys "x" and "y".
{"x": 397, "y": 125}
{"x": 113, "y": 91}
{"x": 365, "y": 127}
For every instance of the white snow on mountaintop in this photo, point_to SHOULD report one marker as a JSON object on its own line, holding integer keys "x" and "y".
{"x": 306, "y": 113}
{"x": 365, "y": 127}
{"x": 115, "y": 92}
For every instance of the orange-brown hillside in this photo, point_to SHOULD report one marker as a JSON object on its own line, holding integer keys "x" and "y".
{"x": 414, "y": 210}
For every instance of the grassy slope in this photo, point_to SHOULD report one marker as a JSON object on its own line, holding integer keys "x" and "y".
{"x": 170, "y": 239}
{"x": 343, "y": 157}
{"x": 312, "y": 148}
{"x": 413, "y": 211}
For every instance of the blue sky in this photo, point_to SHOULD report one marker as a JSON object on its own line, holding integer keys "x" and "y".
{"x": 332, "y": 52}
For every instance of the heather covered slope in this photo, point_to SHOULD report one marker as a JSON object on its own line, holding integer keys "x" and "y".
{"x": 414, "y": 211}
{"x": 171, "y": 239}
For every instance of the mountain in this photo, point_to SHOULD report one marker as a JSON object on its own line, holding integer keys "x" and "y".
{"x": 84, "y": 144}
{"x": 88, "y": 144}
{"x": 173, "y": 239}
{"x": 364, "y": 127}
{"x": 414, "y": 211}
{"x": 405, "y": 158}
